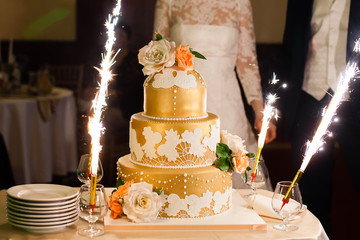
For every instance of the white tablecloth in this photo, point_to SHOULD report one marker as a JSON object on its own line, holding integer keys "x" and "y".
{"x": 309, "y": 228}
{"x": 40, "y": 148}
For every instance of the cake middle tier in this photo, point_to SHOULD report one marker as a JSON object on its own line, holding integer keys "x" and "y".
{"x": 174, "y": 143}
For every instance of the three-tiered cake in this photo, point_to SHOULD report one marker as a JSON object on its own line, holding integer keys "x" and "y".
{"x": 173, "y": 146}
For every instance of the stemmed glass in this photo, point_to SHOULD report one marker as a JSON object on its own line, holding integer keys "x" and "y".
{"x": 83, "y": 170}
{"x": 92, "y": 213}
{"x": 261, "y": 175}
{"x": 289, "y": 209}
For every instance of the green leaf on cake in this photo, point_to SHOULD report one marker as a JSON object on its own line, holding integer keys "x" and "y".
{"x": 250, "y": 155}
{"x": 119, "y": 182}
{"x": 222, "y": 164}
{"x": 222, "y": 150}
{"x": 158, "y": 36}
{"x": 159, "y": 191}
{"x": 197, "y": 54}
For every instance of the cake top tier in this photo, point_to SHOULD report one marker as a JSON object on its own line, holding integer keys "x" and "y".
{"x": 173, "y": 90}
{"x": 175, "y": 94}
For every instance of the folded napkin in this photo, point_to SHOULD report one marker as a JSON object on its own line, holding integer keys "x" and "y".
{"x": 262, "y": 206}
{"x": 46, "y": 106}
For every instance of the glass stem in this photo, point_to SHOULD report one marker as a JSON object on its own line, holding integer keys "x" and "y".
{"x": 92, "y": 225}
{"x": 286, "y": 221}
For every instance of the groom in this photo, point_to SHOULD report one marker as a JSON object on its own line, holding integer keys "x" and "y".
{"x": 312, "y": 50}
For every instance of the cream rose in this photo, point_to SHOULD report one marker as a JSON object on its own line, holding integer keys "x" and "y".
{"x": 157, "y": 55}
{"x": 234, "y": 142}
{"x": 141, "y": 204}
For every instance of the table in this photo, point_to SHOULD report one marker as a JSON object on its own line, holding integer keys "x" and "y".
{"x": 309, "y": 228}
{"x": 40, "y": 135}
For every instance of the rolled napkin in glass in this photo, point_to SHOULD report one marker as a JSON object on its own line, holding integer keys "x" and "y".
{"x": 262, "y": 206}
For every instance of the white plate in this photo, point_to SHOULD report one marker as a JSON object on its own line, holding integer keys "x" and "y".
{"x": 48, "y": 220}
{"x": 41, "y": 229}
{"x": 41, "y": 204}
{"x": 59, "y": 207}
{"x": 38, "y": 224}
{"x": 28, "y": 215}
{"x": 42, "y": 192}
{"x": 30, "y": 211}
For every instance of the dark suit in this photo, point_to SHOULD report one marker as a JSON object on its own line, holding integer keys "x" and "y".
{"x": 303, "y": 113}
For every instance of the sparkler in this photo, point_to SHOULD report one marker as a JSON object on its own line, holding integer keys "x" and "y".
{"x": 95, "y": 126}
{"x": 318, "y": 141}
{"x": 268, "y": 114}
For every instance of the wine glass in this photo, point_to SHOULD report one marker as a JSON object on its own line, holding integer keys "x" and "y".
{"x": 261, "y": 175}
{"x": 289, "y": 209}
{"x": 83, "y": 171}
{"x": 92, "y": 213}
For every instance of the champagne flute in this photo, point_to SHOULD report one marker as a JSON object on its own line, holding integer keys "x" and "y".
{"x": 92, "y": 213}
{"x": 261, "y": 175}
{"x": 289, "y": 209}
{"x": 83, "y": 171}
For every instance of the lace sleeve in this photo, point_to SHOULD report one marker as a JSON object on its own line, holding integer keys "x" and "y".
{"x": 162, "y": 18}
{"x": 246, "y": 62}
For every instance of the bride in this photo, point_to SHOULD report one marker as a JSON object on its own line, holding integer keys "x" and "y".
{"x": 222, "y": 31}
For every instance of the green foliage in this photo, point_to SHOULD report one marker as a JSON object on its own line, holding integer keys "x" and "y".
{"x": 119, "y": 182}
{"x": 159, "y": 191}
{"x": 158, "y": 36}
{"x": 197, "y": 54}
{"x": 250, "y": 155}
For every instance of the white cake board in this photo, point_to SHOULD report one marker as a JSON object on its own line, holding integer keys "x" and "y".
{"x": 237, "y": 218}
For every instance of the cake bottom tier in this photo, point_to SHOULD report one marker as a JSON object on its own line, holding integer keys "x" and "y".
{"x": 189, "y": 192}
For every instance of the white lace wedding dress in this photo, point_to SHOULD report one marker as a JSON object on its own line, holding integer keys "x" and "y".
{"x": 221, "y": 30}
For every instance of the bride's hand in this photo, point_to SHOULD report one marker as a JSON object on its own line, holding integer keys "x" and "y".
{"x": 258, "y": 109}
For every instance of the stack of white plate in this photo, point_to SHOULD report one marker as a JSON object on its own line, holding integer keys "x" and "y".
{"x": 42, "y": 207}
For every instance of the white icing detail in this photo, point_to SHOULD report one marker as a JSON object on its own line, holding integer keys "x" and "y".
{"x": 152, "y": 138}
{"x": 135, "y": 146}
{"x": 167, "y": 79}
{"x": 169, "y": 148}
{"x": 194, "y": 139}
{"x": 221, "y": 200}
{"x": 175, "y": 119}
{"x": 213, "y": 139}
{"x": 193, "y": 204}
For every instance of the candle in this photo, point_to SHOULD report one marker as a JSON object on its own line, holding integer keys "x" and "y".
{"x": 95, "y": 126}
{"x": 268, "y": 113}
{"x": 351, "y": 71}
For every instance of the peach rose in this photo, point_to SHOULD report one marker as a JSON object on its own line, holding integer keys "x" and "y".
{"x": 184, "y": 57}
{"x": 240, "y": 162}
{"x": 117, "y": 199}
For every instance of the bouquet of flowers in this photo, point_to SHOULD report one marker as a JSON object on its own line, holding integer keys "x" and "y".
{"x": 137, "y": 201}
{"x": 231, "y": 153}
{"x": 163, "y": 53}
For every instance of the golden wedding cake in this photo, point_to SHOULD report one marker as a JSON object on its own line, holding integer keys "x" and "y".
{"x": 173, "y": 145}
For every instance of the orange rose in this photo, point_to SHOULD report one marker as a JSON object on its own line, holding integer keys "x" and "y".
{"x": 116, "y": 199}
{"x": 184, "y": 57}
{"x": 240, "y": 162}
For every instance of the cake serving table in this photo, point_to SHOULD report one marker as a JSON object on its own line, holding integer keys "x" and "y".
{"x": 309, "y": 228}
{"x": 237, "y": 217}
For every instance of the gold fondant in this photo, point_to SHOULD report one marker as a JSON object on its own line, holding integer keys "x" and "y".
{"x": 190, "y": 102}
{"x": 138, "y": 122}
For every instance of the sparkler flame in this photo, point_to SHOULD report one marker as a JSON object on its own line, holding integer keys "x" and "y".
{"x": 329, "y": 112}
{"x": 268, "y": 113}
{"x": 95, "y": 126}
{"x": 322, "y": 131}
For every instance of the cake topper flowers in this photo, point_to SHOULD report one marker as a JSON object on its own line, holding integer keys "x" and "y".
{"x": 163, "y": 53}
{"x": 137, "y": 201}
{"x": 231, "y": 153}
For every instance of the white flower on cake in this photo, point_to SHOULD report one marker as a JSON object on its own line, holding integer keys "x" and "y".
{"x": 141, "y": 204}
{"x": 194, "y": 138}
{"x": 157, "y": 55}
{"x": 168, "y": 80}
{"x": 234, "y": 142}
{"x": 213, "y": 139}
{"x": 152, "y": 138}
{"x": 169, "y": 148}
